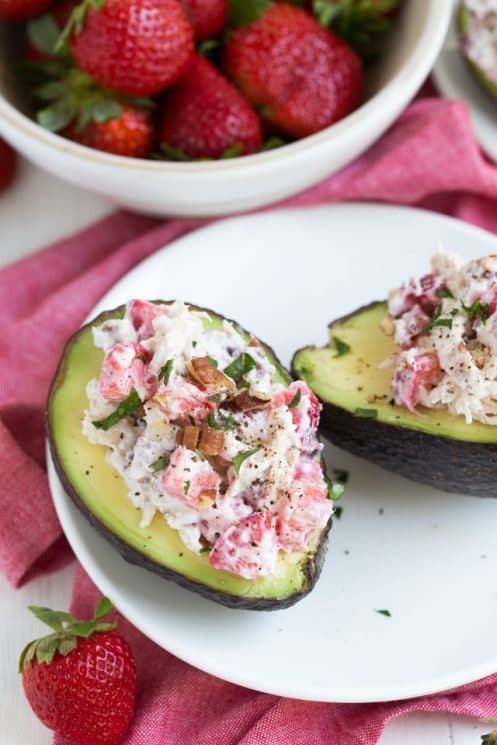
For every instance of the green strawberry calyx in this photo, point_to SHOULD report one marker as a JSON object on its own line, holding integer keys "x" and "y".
{"x": 66, "y": 630}
{"x": 356, "y": 21}
{"x": 77, "y": 20}
{"x": 244, "y": 12}
{"x": 70, "y": 96}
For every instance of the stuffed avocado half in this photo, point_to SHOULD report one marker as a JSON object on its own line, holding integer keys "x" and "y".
{"x": 410, "y": 384}
{"x": 148, "y": 439}
{"x": 478, "y": 41}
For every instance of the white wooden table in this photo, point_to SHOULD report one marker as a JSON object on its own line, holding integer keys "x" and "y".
{"x": 39, "y": 209}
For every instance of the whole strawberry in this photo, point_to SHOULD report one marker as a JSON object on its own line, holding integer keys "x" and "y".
{"x": 130, "y": 133}
{"x": 80, "y": 680}
{"x": 21, "y": 10}
{"x": 208, "y": 17}
{"x": 8, "y": 165}
{"x": 206, "y": 117}
{"x": 301, "y": 77}
{"x": 136, "y": 47}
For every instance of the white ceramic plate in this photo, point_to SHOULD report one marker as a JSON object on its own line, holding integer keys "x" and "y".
{"x": 430, "y": 558}
{"x": 454, "y": 80}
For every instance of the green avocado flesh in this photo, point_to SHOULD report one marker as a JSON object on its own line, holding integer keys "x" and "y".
{"x": 432, "y": 447}
{"x": 354, "y": 381}
{"x": 102, "y": 496}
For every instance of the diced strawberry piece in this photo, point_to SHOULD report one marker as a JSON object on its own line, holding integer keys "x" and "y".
{"x": 125, "y": 367}
{"x": 187, "y": 477}
{"x": 180, "y": 400}
{"x": 304, "y": 509}
{"x": 305, "y": 414}
{"x": 142, "y": 315}
{"x": 414, "y": 375}
{"x": 409, "y": 326}
{"x": 422, "y": 293}
{"x": 249, "y": 548}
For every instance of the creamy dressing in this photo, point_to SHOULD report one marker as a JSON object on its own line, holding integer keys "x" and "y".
{"x": 450, "y": 359}
{"x": 217, "y": 502}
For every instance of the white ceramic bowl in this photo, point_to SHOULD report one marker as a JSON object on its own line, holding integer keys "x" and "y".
{"x": 212, "y": 188}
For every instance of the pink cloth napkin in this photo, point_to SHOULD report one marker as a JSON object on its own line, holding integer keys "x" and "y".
{"x": 428, "y": 158}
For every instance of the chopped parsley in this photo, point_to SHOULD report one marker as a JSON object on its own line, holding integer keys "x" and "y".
{"x": 444, "y": 292}
{"x": 212, "y": 362}
{"x": 204, "y": 550}
{"x": 241, "y": 457}
{"x": 165, "y": 372}
{"x": 225, "y": 421}
{"x": 338, "y": 512}
{"x": 366, "y": 413}
{"x": 341, "y": 475}
{"x": 436, "y": 321}
{"x": 200, "y": 455}
{"x": 341, "y": 347}
{"x": 384, "y": 613}
{"x": 477, "y": 310}
{"x": 160, "y": 464}
{"x": 194, "y": 344}
{"x": 240, "y": 367}
{"x": 216, "y": 398}
{"x": 125, "y": 408}
{"x": 186, "y": 487}
{"x": 295, "y": 400}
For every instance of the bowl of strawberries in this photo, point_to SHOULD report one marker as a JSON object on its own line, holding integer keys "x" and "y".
{"x": 207, "y": 107}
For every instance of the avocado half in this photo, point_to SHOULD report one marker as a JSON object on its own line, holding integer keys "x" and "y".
{"x": 101, "y": 494}
{"x": 465, "y": 29}
{"x": 432, "y": 447}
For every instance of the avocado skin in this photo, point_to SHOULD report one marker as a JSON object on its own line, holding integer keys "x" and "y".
{"x": 314, "y": 563}
{"x": 450, "y": 465}
{"x": 443, "y": 463}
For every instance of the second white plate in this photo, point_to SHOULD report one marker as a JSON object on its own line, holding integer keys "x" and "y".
{"x": 454, "y": 80}
{"x": 429, "y": 558}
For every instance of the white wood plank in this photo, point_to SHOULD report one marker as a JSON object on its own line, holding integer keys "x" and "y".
{"x": 417, "y": 729}
{"x": 466, "y": 731}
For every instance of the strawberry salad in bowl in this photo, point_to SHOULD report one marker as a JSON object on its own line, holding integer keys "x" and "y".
{"x": 446, "y": 326}
{"x": 207, "y": 437}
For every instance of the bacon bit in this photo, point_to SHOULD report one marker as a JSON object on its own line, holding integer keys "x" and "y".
{"x": 207, "y": 499}
{"x": 211, "y": 441}
{"x": 189, "y": 437}
{"x": 388, "y": 326}
{"x": 255, "y": 342}
{"x": 201, "y": 369}
{"x": 480, "y": 363}
{"x": 246, "y": 401}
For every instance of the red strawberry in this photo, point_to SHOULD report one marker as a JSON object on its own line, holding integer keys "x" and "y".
{"x": 206, "y": 117}
{"x": 80, "y": 680}
{"x": 208, "y": 17}
{"x": 82, "y": 111}
{"x": 136, "y": 47}
{"x": 300, "y": 76}
{"x": 21, "y": 10}
{"x": 8, "y": 164}
{"x": 131, "y": 133}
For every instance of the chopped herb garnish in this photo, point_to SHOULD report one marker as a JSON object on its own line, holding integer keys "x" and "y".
{"x": 489, "y": 720}
{"x": 295, "y": 400}
{"x": 224, "y": 421}
{"x": 341, "y": 475}
{"x": 125, "y": 408}
{"x": 444, "y": 292}
{"x": 338, "y": 512}
{"x": 194, "y": 344}
{"x": 216, "y": 398}
{"x": 477, "y": 310}
{"x": 186, "y": 487}
{"x": 213, "y": 362}
{"x": 454, "y": 312}
{"x": 335, "y": 490}
{"x": 165, "y": 372}
{"x": 160, "y": 464}
{"x": 366, "y": 413}
{"x": 200, "y": 455}
{"x": 436, "y": 321}
{"x": 241, "y": 457}
{"x": 204, "y": 550}
{"x": 240, "y": 367}
{"x": 384, "y": 613}
{"x": 341, "y": 346}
